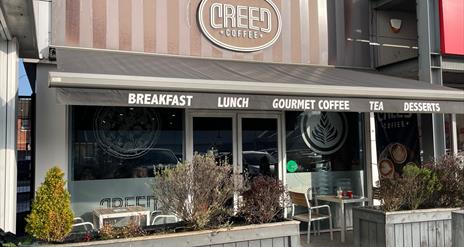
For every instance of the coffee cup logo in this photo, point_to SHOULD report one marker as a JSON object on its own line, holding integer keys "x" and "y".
{"x": 240, "y": 25}
{"x": 325, "y": 132}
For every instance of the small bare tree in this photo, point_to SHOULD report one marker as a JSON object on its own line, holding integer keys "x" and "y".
{"x": 199, "y": 192}
{"x": 264, "y": 201}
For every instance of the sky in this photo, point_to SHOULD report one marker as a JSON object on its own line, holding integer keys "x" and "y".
{"x": 24, "y": 86}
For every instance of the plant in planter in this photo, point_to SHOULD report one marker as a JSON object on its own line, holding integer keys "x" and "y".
{"x": 199, "y": 192}
{"x": 416, "y": 207}
{"x": 51, "y": 216}
{"x": 264, "y": 201}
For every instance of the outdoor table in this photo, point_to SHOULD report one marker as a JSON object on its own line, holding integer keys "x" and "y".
{"x": 342, "y": 201}
{"x": 108, "y": 213}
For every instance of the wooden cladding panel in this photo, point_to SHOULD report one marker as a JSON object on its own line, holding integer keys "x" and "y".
{"x": 170, "y": 27}
{"x": 373, "y": 231}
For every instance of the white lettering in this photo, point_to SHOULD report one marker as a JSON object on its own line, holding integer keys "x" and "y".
{"x": 376, "y": 105}
{"x": 421, "y": 107}
{"x": 293, "y": 104}
{"x": 229, "y": 15}
{"x": 252, "y": 18}
{"x": 215, "y": 8}
{"x": 266, "y": 12}
{"x": 131, "y": 99}
{"x": 159, "y": 99}
{"x": 334, "y": 105}
{"x": 233, "y": 102}
{"x": 241, "y": 16}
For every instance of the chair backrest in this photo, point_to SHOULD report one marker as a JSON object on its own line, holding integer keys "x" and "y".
{"x": 309, "y": 196}
{"x": 298, "y": 199}
{"x": 302, "y": 199}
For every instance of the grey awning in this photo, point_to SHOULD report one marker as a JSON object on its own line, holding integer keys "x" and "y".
{"x": 117, "y": 74}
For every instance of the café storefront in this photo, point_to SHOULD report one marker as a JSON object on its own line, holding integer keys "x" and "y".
{"x": 313, "y": 133}
{"x": 245, "y": 95}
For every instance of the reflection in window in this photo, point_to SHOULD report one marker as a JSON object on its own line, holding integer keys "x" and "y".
{"x": 325, "y": 151}
{"x": 324, "y": 141}
{"x": 213, "y": 135}
{"x": 460, "y": 131}
{"x": 260, "y": 147}
{"x": 123, "y": 142}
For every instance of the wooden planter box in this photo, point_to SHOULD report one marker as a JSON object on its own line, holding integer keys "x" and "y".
{"x": 281, "y": 234}
{"x": 425, "y": 228}
{"x": 458, "y": 228}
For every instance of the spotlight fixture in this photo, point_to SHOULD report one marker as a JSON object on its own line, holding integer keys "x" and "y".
{"x": 395, "y": 25}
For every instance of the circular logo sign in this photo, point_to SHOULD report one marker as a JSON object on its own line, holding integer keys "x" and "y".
{"x": 126, "y": 133}
{"x": 325, "y": 132}
{"x": 240, "y": 25}
{"x": 292, "y": 166}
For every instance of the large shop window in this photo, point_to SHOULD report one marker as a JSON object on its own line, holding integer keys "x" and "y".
{"x": 115, "y": 152}
{"x": 397, "y": 137}
{"x": 123, "y": 142}
{"x": 325, "y": 151}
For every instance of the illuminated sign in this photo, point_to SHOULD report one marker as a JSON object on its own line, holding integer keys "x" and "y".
{"x": 240, "y": 25}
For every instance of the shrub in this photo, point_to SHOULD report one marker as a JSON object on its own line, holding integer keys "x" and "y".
{"x": 450, "y": 173}
{"x": 131, "y": 230}
{"x": 264, "y": 201}
{"x": 412, "y": 190}
{"x": 51, "y": 217}
{"x": 199, "y": 192}
{"x": 419, "y": 184}
{"x": 391, "y": 193}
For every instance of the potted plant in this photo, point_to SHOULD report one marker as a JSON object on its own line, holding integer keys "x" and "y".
{"x": 216, "y": 208}
{"x": 416, "y": 207}
{"x": 51, "y": 216}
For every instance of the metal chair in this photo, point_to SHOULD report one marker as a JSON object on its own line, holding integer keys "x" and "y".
{"x": 304, "y": 200}
{"x": 79, "y": 222}
{"x": 156, "y": 215}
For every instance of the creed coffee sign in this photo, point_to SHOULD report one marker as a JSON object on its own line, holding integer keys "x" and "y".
{"x": 240, "y": 25}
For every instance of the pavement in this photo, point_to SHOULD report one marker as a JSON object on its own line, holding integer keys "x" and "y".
{"x": 323, "y": 240}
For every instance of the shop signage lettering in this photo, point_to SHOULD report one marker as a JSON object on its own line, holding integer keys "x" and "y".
{"x": 240, "y": 25}
{"x": 118, "y": 202}
{"x": 376, "y": 105}
{"x": 421, "y": 107}
{"x": 196, "y": 100}
{"x": 159, "y": 99}
{"x": 310, "y": 104}
{"x": 233, "y": 102}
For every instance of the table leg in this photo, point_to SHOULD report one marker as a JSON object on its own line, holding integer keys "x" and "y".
{"x": 343, "y": 230}
{"x": 148, "y": 218}
{"x": 100, "y": 221}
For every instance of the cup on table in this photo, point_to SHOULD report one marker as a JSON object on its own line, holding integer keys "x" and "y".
{"x": 349, "y": 194}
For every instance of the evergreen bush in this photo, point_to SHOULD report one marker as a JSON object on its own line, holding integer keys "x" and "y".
{"x": 51, "y": 217}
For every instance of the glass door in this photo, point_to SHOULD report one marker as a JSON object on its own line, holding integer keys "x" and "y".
{"x": 215, "y": 133}
{"x": 259, "y": 149}
{"x": 250, "y": 142}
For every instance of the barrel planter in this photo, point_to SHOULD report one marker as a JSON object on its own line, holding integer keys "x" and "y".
{"x": 281, "y": 234}
{"x": 458, "y": 228}
{"x": 373, "y": 227}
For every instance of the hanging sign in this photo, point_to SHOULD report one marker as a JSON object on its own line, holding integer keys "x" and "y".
{"x": 240, "y": 25}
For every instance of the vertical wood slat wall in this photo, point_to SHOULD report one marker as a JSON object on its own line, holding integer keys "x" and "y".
{"x": 429, "y": 229}
{"x": 170, "y": 27}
